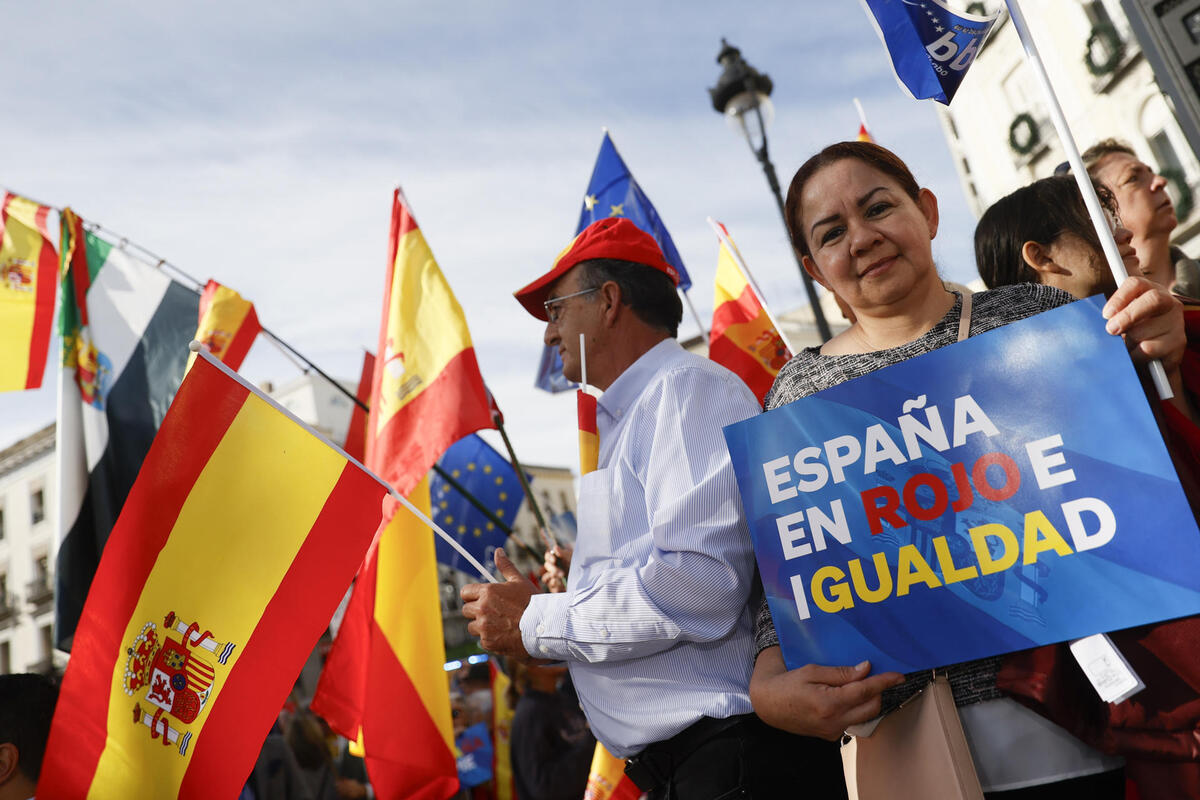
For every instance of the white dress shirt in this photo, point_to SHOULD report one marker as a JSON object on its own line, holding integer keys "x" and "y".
{"x": 655, "y": 625}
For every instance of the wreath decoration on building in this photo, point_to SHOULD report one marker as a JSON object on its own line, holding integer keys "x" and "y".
{"x": 1187, "y": 200}
{"x": 1107, "y": 35}
{"x": 1023, "y": 134}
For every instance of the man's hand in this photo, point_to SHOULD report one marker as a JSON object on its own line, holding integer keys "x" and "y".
{"x": 814, "y": 700}
{"x": 495, "y": 610}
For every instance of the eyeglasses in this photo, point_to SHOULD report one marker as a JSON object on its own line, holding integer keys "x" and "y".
{"x": 553, "y": 313}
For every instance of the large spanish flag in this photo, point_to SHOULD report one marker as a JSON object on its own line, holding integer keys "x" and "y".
{"x": 743, "y": 337}
{"x": 228, "y": 323}
{"x": 233, "y": 548}
{"x": 28, "y": 277}
{"x": 427, "y": 387}
{"x": 383, "y": 683}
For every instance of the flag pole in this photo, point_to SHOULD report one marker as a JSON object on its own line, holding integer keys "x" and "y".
{"x": 705, "y": 332}
{"x": 1107, "y": 242}
{"x": 547, "y": 538}
{"x": 862, "y": 116}
{"x": 723, "y": 237}
{"x": 202, "y": 351}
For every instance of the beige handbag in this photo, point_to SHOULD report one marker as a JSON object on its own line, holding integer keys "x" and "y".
{"x": 916, "y": 752}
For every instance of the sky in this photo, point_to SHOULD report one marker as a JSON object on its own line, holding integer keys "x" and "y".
{"x": 259, "y": 144}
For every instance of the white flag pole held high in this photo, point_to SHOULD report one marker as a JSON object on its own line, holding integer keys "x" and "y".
{"x": 728, "y": 244}
{"x": 1081, "y": 175}
{"x": 202, "y": 351}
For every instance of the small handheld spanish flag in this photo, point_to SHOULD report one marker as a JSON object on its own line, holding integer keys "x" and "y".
{"x": 228, "y": 324}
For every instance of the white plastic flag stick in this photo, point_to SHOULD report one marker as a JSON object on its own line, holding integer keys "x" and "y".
{"x": 862, "y": 117}
{"x": 703, "y": 330}
{"x": 1081, "y": 176}
{"x": 728, "y": 244}
{"x": 202, "y": 351}
{"x": 583, "y": 365}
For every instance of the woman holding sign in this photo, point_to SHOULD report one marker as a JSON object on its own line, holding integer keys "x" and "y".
{"x": 864, "y": 230}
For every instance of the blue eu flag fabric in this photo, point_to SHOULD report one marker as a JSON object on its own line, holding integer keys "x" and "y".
{"x": 492, "y": 480}
{"x": 931, "y": 46}
{"x": 612, "y": 192}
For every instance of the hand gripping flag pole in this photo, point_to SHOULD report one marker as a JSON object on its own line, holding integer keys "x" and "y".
{"x": 202, "y": 351}
{"x": 1109, "y": 244}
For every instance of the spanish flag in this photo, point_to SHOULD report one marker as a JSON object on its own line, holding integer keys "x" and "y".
{"x": 28, "y": 278}
{"x": 228, "y": 324}
{"x": 743, "y": 337}
{"x": 864, "y": 135}
{"x": 502, "y": 717}
{"x": 233, "y": 549}
{"x": 607, "y": 779}
{"x": 383, "y": 683}
{"x": 589, "y": 437}
{"x": 428, "y": 392}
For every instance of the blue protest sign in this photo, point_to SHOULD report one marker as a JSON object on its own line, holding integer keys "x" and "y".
{"x": 474, "y": 759}
{"x": 930, "y": 44}
{"x": 1005, "y": 492}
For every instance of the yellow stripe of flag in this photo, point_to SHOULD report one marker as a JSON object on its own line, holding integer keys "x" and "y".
{"x": 250, "y": 541}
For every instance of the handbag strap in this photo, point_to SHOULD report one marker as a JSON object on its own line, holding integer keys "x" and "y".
{"x": 964, "y": 319}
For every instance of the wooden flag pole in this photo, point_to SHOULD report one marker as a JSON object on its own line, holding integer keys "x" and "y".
{"x": 1099, "y": 221}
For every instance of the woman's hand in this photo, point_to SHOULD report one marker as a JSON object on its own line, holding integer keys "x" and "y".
{"x": 1151, "y": 321}
{"x": 814, "y": 700}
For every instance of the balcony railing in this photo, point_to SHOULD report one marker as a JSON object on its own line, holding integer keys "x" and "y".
{"x": 40, "y": 591}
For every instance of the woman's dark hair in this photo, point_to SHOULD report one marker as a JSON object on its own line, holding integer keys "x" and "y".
{"x": 1039, "y": 212}
{"x": 650, "y": 293}
{"x": 869, "y": 153}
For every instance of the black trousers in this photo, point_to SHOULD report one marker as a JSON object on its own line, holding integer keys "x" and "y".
{"x": 753, "y": 760}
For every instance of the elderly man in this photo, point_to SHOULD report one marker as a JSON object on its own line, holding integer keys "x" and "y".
{"x": 655, "y": 625}
{"x": 1147, "y": 211}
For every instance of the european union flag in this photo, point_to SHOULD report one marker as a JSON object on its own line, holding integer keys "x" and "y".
{"x": 612, "y": 192}
{"x": 931, "y": 46}
{"x": 492, "y": 480}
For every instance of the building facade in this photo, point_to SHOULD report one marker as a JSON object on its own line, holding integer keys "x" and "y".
{"x": 28, "y": 546}
{"x": 998, "y": 128}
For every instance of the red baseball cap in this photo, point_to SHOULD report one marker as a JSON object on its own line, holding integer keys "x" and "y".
{"x": 612, "y": 237}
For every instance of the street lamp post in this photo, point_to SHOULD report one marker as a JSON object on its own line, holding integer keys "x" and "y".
{"x": 743, "y": 96}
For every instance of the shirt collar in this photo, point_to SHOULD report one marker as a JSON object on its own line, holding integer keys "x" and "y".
{"x": 627, "y": 388}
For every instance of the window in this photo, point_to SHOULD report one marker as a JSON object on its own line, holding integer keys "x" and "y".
{"x": 41, "y": 570}
{"x": 5, "y": 658}
{"x": 3, "y": 588}
{"x": 47, "y": 641}
{"x": 37, "y": 505}
{"x": 1, "y": 523}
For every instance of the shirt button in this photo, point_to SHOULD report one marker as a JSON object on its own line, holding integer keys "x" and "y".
{"x": 544, "y": 649}
{"x": 604, "y": 632}
{"x": 541, "y": 628}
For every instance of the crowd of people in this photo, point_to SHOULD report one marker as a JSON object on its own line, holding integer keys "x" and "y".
{"x": 655, "y": 638}
{"x": 662, "y": 623}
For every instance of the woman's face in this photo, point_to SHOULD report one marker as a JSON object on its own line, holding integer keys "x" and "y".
{"x": 870, "y": 242}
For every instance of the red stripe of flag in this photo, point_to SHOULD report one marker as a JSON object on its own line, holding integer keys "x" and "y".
{"x": 80, "y": 729}
{"x": 258, "y": 684}
{"x": 586, "y": 409}
{"x": 431, "y": 422}
{"x": 43, "y": 318}
{"x": 245, "y": 335}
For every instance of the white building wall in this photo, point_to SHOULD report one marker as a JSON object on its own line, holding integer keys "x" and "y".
{"x": 1126, "y": 104}
{"x": 28, "y": 548}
